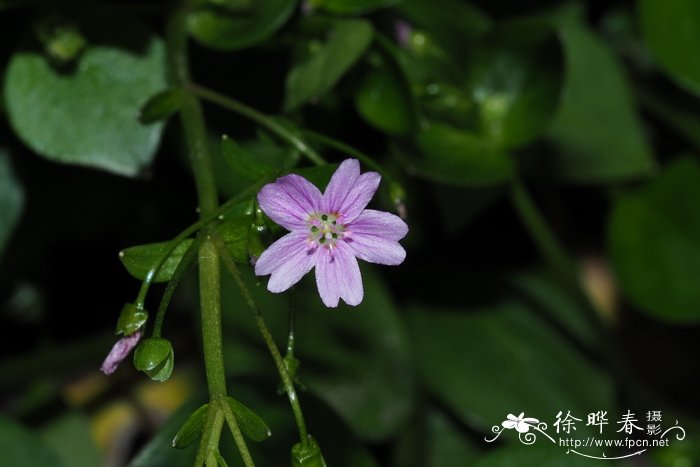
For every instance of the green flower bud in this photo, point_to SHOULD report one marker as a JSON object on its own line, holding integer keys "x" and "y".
{"x": 309, "y": 456}
{"x": 155, "y": 357}
{"x": 62, "y": 40}
{"x": 131, "y": 319}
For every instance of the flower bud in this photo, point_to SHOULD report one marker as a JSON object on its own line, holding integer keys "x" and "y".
{"x": 62, "y": 40}
{"x": 131, "y": 319}
{"x": 155, "y": 357}
{"x": 307, "y": 456}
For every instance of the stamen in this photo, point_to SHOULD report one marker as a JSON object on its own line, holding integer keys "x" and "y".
{"x": 324, "y": 217}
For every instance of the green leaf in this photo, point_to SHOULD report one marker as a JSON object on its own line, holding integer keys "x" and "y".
{"x": 218, "y": 28}
{"x": 515, "y": 78}
{"x": 456, "y": 157}
{"x": 161, "y": 106}
{"x": 319, "y": 175}
{"x": 11, "y": 200}
{"x": 87, "y": 114}
{"x": 138, "y": 260}
{"x": 384, "y": 100}
{"x": 597, "y": 133}
{"x": 234, "y": 232}
{"x": 654, "y": 240}
{"x": 310, "y": 80}
{"x": 353, "y": 7}
{"x": 71, "y": 438}
{"x": 539, "y": 455}
{"x": 522, "y": 348}
{"x": 249, "y": 166}
{"x": 671, "y": 30}
{"x": 191, "y": 430}
{"x": 248, "y": 421}
{"x": 19, "y": 446}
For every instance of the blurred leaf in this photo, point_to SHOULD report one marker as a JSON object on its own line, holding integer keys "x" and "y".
{"x": 540, "y": 455}
{"x": 11, "y": 200}
{"x": 248, "y": 421}
{"x": 654, "y": 239}
{"x": 456, "y": 157}
{"x": 191, "y": 430}
{"x": 218, "y": 28}
{"x": 676, "y": 109}
{"x": 70, "y": 437}
{"x": 447, "y": 445}
{"x": 318, "y": 175}
{"x": 308, "y": 81}
{"x": 597, "y": 132}
{"x": 19, "y": 446}
{"x": 384, "y": 100}
{"x": 515, "y": 78}
{"x": 671, "y": 30}
{"x": 527, "y": 367}
{"x": 354, "y": 7}
{"x": 87, "y": 115}
{"x": 161, "y": 106}
{"x": 138, "y": 260}
{"x": 247, "y": 165}
{"x": 356, "y": 360}
{"x": 459, "y": 206}
{"x": 234, "y": 232}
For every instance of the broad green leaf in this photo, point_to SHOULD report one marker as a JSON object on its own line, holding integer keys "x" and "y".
{"x": 384, "y": 100}
{"x": 138, "y": 260}
{"x": 19, "y": 446}
{"x": 654, "y": 240}
{"x": 218, "y": 28}
{"x": 456, "y": 157}
{"x": 597, "y": 133}
{"x": 354, "y": 7}
{"x": 87, "y": 114}
{"x": 515, "y": 78}
{"x": 310, "y": 80}
{"x": 191, "y": 430}
{"x": 11, "y": 200}
{"x": 248, "y": 421}
{"x": 528, "y": 366}
{"x": 234, "y": 232}
{"x": 161, "y": 106}
{"x": 251, "y": 167}
{"x": 70, "y": 437}
{"x": 671, "y": 30}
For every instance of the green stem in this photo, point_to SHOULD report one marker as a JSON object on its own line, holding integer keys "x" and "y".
{"x": 197, "y": 142}
{"x": 269, "y": 341}
{"x": 290, "y": 325}
{"x": 258, "y": 117}
{"x": 235, "y": 430}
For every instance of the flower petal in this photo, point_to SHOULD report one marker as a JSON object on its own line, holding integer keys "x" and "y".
{"x": 375, "y": 249}
{"x": 348, "y": 192}
{"x": 119, "y": 352}
{"x": 290, "y": 200}
{"x": 379, "y": 223}
{"x": 288, "y": 260}
{"x": 338, "y": 276}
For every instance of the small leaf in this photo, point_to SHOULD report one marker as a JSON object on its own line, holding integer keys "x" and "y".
{"x": 671, "y": 30}
{"x": 218, "y": 28}
{"x": 384, "y": 100}
{"x": 87, "y": 115}
{"x": 131, "y": 319}
{"x": 654, "y": 240}
{"x": 234, "y": 232}
{"x": 515, "y": 77}
{"x": 161, "y": 106}
{"x": 457, "y": 157}
{"x": 151, "y": 353}
{"x": 242, "y": 161}
{"x": 138, "y": 260}
{"x": 309, "y": 81}
{"x": 191, "y": 430}
{"x": 248, "y": 421}
{"x": 11, "y": 200}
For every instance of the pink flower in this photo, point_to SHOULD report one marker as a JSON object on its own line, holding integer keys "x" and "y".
{"x": 328, "y": 231}
{"x": 119, "y": 352}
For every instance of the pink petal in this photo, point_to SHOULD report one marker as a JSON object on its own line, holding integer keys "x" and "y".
{"x": 376, "y": 250}
{"x": 290, "y": 200}
{"x": 121, "y": 349}
{"x": 348, "y": 192}
{"x": 288, "y": 260}
{"x": 338, "y": 276}
{"x": 379, "y": 223}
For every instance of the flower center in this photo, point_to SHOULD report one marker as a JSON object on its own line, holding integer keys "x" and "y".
{"x": 325, "y": 229}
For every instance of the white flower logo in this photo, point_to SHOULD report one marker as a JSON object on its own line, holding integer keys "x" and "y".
{"x": 521, "y": 423}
